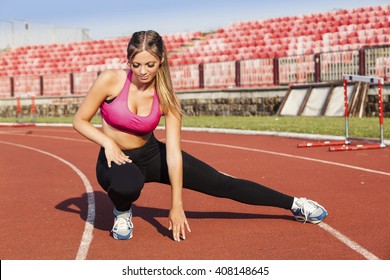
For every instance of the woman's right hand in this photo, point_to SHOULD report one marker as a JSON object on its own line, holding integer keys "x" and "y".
{"x": 115, "y": 154}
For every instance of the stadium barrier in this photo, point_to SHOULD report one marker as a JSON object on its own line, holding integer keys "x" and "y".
{"x": 299, "y": 69}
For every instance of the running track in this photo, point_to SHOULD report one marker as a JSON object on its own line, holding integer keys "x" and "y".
{"x": 53, "y": 208}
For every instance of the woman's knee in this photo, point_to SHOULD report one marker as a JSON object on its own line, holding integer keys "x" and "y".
{"x": 130, "y": 187}
{"x": 124, "y": 179}
{"x": 124, "y": 193}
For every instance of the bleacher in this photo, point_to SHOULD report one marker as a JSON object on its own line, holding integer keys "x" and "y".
{"x": 87, "y": 56}
{"x": 296, "y": 35}
{"x": 254, "y": 43}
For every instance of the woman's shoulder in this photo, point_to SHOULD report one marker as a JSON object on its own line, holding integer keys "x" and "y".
{"x": 113, "y": 76}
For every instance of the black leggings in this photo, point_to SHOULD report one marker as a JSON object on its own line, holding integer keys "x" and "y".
{"x": 124, "y": 183}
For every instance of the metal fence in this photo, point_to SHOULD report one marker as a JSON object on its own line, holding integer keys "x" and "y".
{"x": 377, "y": 61}
{"x": 318, "y": 68}
{"x": 18, "y": 33}
{"x": 299, "y": 69}
{"x": 335, "y": 64}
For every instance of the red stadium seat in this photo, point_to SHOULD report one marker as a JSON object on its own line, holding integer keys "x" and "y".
{"x": 255, "y": 39}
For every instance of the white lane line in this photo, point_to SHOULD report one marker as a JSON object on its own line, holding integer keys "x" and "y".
{"x": 227, "y": 146}
{"x": 344, "y": 239}
{"x": 25, "y": 133}
{"x": 290, "y": 156}
{"x": 89, "y": 224}
{"x": 347, "y": 241}
{"x": 351, "y": 244}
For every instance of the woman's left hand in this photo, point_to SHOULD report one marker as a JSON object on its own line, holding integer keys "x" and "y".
{"x": 178, "y": 223}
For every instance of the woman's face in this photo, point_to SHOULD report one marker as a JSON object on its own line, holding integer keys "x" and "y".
{"x": 145, "y": 66}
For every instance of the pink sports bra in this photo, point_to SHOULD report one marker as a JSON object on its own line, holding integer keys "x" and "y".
{"x": 118, "y": 115}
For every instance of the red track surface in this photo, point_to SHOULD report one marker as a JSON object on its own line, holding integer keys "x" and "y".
{"x": 44, "y": 205}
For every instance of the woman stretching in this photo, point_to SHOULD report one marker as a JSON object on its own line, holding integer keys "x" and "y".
{"x": 131, "y": 103}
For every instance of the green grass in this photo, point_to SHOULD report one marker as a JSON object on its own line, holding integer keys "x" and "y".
{"x": 358, "y": 127}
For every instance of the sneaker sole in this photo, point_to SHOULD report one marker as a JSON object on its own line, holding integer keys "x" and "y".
{"x": 317, "y": 221}
{"x": 122, "y": 237}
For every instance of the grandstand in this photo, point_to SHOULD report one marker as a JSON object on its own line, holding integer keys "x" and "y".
{"x": 301, "y": 49}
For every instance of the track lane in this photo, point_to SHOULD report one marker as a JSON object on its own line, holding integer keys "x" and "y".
{"x": 203, "y": 211}
{"x": 31, "y": 227}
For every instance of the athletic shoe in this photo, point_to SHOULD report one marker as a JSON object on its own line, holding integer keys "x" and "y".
{"x": 123, "y": 227}
{"x": 306, "y": 210}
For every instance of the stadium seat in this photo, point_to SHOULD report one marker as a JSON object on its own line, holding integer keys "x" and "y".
{"x": 255, "y": 39}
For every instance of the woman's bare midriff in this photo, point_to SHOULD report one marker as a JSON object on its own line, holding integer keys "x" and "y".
{"x": 124, "y": 140}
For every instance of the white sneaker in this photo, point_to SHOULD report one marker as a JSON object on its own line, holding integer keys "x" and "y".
{"x": 123, "y": 227}
{"x": 306, "y": 210}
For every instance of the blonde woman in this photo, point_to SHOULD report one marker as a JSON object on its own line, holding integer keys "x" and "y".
{"x": 132, "y": 103}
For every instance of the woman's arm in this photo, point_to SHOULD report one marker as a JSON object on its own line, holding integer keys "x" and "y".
{"x": 177, "y": 219}
{"x": 99, "y": 91}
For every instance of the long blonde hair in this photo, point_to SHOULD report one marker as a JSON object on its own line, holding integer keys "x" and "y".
{"x": 152, "y": 42}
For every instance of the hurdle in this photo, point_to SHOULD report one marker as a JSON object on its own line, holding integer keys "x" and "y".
{"x": 381, "y": 144}
{"x": 19, "y": 113}
{"x": 321, "y": 144}
{"x": 18, "y": 110}
{"x": 345, "y": 145}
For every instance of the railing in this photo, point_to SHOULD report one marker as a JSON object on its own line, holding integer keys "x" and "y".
{"x": 335, "y": 64}
{"x": 18, "y": 33}
{"x": 301, "y": 69}
{"x": 377, "y": 61}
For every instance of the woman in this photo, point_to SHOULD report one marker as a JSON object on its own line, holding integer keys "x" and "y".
{"x": 131, "y": 104}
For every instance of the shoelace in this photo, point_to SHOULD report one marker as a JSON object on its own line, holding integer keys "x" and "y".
{"x": 309, "y": 207}
{"x": 123, "y": 223}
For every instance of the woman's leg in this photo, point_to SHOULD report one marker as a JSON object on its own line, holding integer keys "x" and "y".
{"x": 123, "y": 183}
{"x": 201, "y": 177}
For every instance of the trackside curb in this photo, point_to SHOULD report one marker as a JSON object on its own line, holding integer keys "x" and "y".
{"x": 231, "y": 131}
